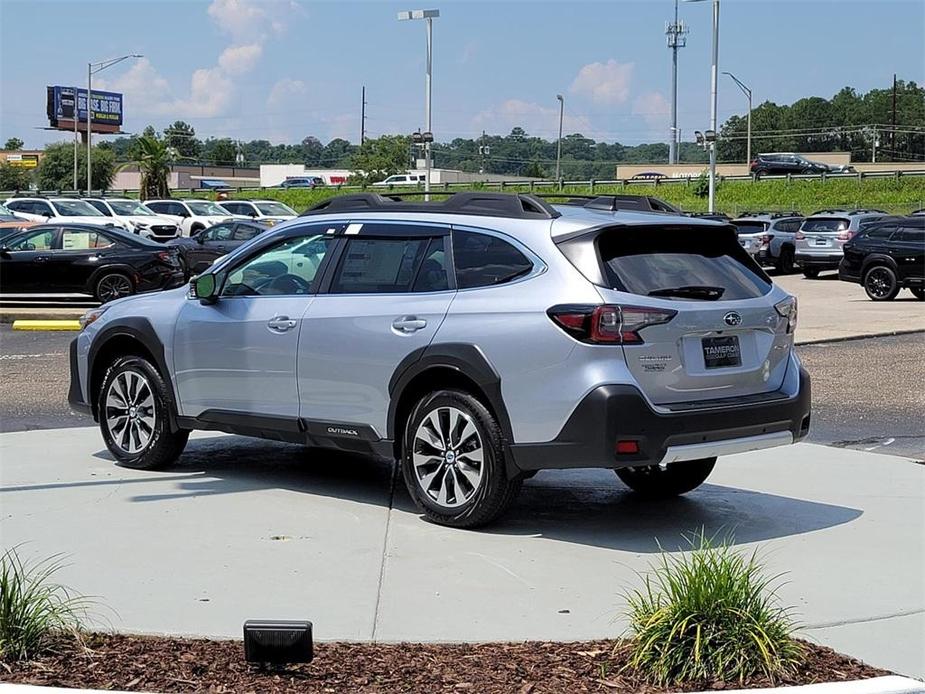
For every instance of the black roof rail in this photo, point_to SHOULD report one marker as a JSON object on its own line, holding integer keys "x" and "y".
{"x": 488, "y": 204}
{"x": 613, "y": 203}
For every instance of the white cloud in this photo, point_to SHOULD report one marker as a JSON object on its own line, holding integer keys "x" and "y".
{"x": 653, "y": 107}
{"x": 236, "y": 60}
{"x": 604, "y": 83}
{"x": 285, "y": 90}
{"x": 542, "y": 121}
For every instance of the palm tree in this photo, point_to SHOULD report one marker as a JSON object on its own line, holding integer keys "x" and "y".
{"x": 153, "y": 161}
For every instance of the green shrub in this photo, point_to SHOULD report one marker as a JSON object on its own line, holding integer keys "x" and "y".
{"x": 707, "y": 615}
{"x": 33, "y": 610}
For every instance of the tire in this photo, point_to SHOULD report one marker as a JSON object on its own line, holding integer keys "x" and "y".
{"x": 113, "y": 285}
{"x": 674, "y": 479}
{"x": 919, "y": 292}
{"x": 880, "y": 283}
{"x": 141, "y": 437}
{"x": 810, "y": 273}
{"x": 455, "y": 488}
{"x": 784, "y": 264}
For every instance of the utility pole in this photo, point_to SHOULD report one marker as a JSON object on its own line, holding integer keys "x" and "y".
{"x": 363, "y": 116}
{"x": 76, "y": 138}
{"x": 893, "y": 131}
{"x": 484, "y": 151}
{"x": 677, "y": 38}
{"x": 559, "y": 141}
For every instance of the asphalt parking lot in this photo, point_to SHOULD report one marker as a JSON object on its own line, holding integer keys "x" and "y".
{"x": 863, "y": 394}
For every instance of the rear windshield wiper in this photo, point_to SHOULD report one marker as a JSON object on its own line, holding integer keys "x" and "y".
{"x": 691, "y": 291}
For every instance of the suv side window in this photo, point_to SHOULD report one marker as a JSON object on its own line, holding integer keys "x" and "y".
{"x": 379, "y": 265}
{"x": 42, "y": 208}
{"x": 101, "y": 206}
{"x": 483, "y": 260}
{"x": 289, "y": 267}
{"x": 912, "y": 234}
{"x": 220, "y": 232}
{"x": 882, "y": 231}
{"x": 160, "y": 207}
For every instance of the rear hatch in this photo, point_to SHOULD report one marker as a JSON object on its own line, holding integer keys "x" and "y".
{"x": 724, "y": 338}
{"x": 823, "y": 233}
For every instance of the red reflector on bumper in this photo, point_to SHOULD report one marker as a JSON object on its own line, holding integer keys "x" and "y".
{"x": 627, "y": 447}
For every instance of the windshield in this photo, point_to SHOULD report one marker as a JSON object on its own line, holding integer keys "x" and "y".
{"x": 130, "y": 207}
{"x": 271, "y": 208}
{"x": 825, "y": 225}
{"x": 76, "y": 208}
{"x": 206, "y": 208}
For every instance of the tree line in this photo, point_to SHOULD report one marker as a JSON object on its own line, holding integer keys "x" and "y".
{"x": 849, "y": 121}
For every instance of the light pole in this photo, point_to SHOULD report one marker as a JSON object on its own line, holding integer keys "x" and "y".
{"x": 92, "y": 69}
{"x": 677, "y": 38}
{"x": 428, "y": 17}
{"x": 559, "y": 141}
{"x": 713, "y": 81}
{"x": 748, "y": 93}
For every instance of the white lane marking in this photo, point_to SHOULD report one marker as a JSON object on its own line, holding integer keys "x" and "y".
{"x": 886, "y": 442}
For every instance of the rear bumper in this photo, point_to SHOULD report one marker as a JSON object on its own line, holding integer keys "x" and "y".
{"x": 820, "y": 261}
{"x": 620, "y": 413}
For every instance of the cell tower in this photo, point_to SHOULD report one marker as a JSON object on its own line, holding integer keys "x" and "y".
{"x": 677, "y": 38}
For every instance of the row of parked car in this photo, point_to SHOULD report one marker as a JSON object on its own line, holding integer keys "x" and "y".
{"x": 89, "y": 236}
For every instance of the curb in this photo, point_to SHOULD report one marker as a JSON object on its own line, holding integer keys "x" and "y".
{"x": 851, "y": 338}
{"x": 891, "y": 684}
{"x": 8, "y": 315}
{"x": 46, "y": 325}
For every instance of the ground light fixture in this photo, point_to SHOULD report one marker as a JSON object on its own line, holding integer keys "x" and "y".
{"x": 278, "y": 642}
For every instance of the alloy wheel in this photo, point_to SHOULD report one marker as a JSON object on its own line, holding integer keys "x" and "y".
{"x": 879, "y": 282}
{"x": 448, "y": 456}
{"x": 114, "y": 287}
{"x": 130, "y": 411}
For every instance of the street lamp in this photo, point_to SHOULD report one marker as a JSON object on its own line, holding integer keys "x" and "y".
{"x": 713, "y": 80}
{"x": 559, "y": 142}
{"x": 428, "y": 17}
{"x": 92, "y": 69}
{"x": 748, "y": 93}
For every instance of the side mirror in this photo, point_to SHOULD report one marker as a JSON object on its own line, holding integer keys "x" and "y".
{"x": 203, "y": 288}
{"x": 200, "y": 239}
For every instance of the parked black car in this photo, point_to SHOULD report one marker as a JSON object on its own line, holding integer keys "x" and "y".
{"x": 784, "y": 163}
{"x": 886, "y": 257}
{"x": 85, "y": 259}
{"x": 200, "y": 250}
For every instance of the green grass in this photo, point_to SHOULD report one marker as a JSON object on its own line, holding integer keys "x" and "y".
{"x": 709, "y": 614}
{"x": 893, "y": 195}
{"x": 33, "y": 609}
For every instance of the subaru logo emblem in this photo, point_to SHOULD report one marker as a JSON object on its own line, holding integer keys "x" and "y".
{"x": 732, "y": 318}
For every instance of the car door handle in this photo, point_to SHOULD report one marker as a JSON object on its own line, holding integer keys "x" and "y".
{"x": 280, "y": 324}
{"x": 41, "y": 259}
{"x": 409, "y": 324}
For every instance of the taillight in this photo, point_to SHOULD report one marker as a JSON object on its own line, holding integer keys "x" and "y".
{"x": 799, "y": 236}
{"x": 845, "y": 235}
{"x": 165, "y": 256}
{"x": 788, "y": 309}
{"x": 609, "y": 323}
{"x": 766, "y": 239}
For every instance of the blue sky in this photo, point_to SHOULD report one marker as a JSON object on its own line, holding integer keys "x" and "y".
{"x": 285, "y": 69}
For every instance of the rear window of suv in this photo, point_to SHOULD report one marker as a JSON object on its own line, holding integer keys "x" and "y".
{"x": 749, "y": 227}
{"x": 653, "y": 262}
{"x": 822, "y": 224}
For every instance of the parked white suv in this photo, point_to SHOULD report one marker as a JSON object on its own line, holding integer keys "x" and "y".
{"x": 271, "y": 211}
{"x": 38, "y": 209}
{"x": 135, "y": 217}
{"x": 402, "y": 180}
{"x": 191, "y": 215}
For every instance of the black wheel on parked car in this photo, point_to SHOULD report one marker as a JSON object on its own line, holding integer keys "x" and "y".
{"x": 784, "y": 264}
{"x": 113, "y": 285}
{"x": 453, "y": 461}
{"x": 919, "y": 292}
{"x": 663, "y": 481}
{"x": 880, "y": 283}
{"x": 810, "y": 273}
{"x": 134, "y": 408}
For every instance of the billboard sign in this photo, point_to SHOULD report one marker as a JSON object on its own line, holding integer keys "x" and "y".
{"x": 63, "y": 102}
{"x": 26, "y": 161}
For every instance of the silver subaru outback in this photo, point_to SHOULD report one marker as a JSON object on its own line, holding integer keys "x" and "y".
{"x": 475, "y": 340}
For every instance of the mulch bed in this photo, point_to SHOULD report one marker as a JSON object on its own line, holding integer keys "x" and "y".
{"x": 142, "y": 663}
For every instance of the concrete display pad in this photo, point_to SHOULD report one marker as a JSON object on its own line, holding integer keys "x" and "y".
{"x": 246, "y": 529}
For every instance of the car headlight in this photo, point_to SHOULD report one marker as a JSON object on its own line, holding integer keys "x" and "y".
{"x": 140, "y": 225}
{"x": 91, "y": 316}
